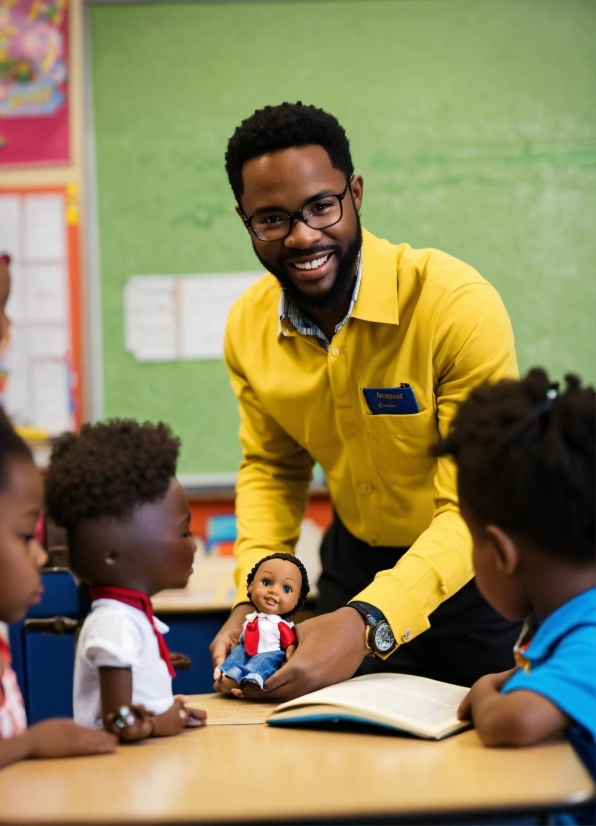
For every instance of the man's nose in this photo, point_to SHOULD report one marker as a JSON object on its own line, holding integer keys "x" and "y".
{"x": 302, "y": 236}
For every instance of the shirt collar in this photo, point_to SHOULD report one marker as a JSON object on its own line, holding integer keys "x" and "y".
{"x": 377, "y": 300}
{"x": 274, "y": 618}
{"x": 581, "y": 610}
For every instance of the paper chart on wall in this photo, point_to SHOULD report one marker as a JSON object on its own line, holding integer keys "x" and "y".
{"x": 171, "y": 317}
{"x": 38, "y": 389}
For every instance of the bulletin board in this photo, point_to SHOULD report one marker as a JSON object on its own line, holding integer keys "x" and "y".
{"x": 473, "y": 123}
{"x": 39, "y": 229}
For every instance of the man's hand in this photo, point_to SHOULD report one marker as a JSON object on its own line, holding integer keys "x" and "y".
{"x": 330, "y": 649}
{"x": 228, "y": 637}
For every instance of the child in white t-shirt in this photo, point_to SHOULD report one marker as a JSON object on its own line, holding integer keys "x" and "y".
{"x": 21, "y": 557}
{"x": 113, "y": 487}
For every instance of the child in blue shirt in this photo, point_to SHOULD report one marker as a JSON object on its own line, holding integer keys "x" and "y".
{"x": 526, "y": 479}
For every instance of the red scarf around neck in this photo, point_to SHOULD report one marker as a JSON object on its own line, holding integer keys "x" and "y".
{"x": 139, "y": 600}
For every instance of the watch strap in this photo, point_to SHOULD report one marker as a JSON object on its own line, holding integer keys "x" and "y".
{"x": 372, "y": 616}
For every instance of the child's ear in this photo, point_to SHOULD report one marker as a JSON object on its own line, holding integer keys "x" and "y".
{"x": 111, "y": 557}
{"x": 506, "y": 555}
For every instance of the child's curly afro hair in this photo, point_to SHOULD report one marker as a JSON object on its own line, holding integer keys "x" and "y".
{"x": 109, "y": 469}
{"x": 288, "y": 558}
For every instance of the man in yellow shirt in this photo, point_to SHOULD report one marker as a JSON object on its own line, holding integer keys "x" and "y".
{"x": 354, "y": 353}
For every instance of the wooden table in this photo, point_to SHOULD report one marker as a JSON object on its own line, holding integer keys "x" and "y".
{"x": 255, "y": 773}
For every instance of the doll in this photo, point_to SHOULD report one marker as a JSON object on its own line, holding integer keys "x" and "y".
{"x": 277, "y": 587}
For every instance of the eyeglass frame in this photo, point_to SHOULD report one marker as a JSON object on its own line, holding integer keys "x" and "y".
{"x": 298, "y": 216}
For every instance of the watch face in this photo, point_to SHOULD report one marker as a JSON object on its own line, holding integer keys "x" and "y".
{"x": 383, "y": 639}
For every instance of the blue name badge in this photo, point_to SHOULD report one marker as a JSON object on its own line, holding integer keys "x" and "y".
{"x": 395, "y": 401}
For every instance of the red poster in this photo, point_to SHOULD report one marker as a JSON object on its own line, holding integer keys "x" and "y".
{"x": 34, "y": 118}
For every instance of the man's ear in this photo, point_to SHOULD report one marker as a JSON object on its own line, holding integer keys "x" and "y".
{"x": 506, "y": 555}
{"x": 357, "y": 187}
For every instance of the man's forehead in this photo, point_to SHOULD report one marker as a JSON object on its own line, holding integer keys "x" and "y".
{"x": 290, "y": 174}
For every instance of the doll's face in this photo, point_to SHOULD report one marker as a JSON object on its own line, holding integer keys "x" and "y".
{"x": 276, "y": 587}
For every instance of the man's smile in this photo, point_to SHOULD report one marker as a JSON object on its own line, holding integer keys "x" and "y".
{"x": 311, "y": 267}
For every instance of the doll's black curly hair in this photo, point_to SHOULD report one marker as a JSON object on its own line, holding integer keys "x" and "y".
{"x": 526, "y": 461}
{"x": 283, "y": 127}
{"x": 109, "y": 469}
{"x": 288, "y": 558}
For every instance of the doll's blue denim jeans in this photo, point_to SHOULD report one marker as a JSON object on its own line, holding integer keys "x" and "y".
{"x": 256, "y": 669}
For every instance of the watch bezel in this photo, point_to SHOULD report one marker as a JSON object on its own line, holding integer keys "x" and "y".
{"x": 381, "y": 626}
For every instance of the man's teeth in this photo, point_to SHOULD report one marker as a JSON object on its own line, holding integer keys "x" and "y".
{"x": 312, "y": 265}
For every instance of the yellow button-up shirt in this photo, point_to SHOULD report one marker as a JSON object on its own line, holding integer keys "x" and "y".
{"x": 421, "y": 318}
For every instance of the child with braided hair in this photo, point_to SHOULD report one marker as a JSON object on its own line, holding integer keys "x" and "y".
{"x": 525, "y": 455}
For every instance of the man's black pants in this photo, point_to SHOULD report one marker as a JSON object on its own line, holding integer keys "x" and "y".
{"x": 467, "y": 637}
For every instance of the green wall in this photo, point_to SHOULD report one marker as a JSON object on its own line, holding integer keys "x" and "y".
{"x": 472, "y": 121}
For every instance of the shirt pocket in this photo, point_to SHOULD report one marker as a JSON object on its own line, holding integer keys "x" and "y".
{"x": 400, "y": 445}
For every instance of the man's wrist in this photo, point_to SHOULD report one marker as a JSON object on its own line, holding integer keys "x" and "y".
{"x": 379, "y": 638}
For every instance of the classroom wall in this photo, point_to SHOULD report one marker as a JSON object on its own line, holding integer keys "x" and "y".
{"x": 472, "y": 121}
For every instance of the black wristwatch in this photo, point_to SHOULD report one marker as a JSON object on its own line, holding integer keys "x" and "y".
{"x": 380, "y": 639}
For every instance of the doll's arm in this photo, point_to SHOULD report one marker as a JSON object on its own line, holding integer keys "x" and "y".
{"x": 287, "y": 636}
{"x": 119, "y": 716}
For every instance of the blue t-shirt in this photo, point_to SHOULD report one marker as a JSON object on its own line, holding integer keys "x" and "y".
{"x": 561, "y": 665}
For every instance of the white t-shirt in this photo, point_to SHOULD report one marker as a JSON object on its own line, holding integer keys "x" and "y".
{"x": 118, "y": 635}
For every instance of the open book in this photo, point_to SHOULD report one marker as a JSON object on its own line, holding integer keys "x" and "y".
{"x": 426, "y": 708}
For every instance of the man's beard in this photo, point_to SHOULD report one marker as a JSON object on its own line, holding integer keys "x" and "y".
{"x": 340, "y": 288}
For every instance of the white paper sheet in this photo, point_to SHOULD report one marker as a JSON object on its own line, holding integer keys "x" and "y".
{"x": 33, "y": 232}
{"x": 150, "y": 318}
{"x": 44, "y": 229}
{"x": 180, "y": 317}
{"x": 46, "y": 293}
{"x": 50, "y": 396}
{"x": 16, "y": 360}
{"x": 15, "y": 306}
{"x": 10, "y": 225}
{"x": 205, "y": 301}
{"x": 45, "y": 341}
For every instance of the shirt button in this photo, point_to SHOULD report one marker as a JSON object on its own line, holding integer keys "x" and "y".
{"x": 365, "y": 488}
{"x": 335, "y": 351}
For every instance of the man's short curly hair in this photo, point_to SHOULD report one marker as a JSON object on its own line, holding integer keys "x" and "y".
{"x": 288, "y": 558}
{"x": 109, "y": 469}
{"x": 282, "y": 127}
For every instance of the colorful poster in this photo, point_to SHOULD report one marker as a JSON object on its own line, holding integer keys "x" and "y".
{"x": 34, "y": 121}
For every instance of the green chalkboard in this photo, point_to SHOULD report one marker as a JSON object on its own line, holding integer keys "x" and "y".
{"x": 472, "y": 121}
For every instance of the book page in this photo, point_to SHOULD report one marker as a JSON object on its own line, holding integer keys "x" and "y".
{"x": 398, "y": 695}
